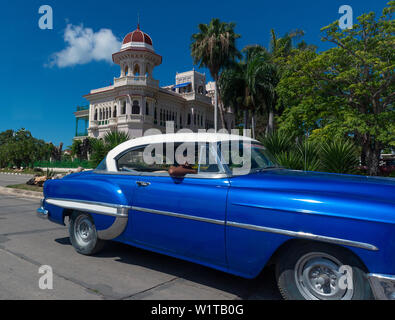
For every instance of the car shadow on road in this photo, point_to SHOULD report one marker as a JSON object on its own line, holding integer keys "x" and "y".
{"x": 263, "y": 287}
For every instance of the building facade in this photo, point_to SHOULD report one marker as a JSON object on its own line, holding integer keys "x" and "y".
{"x": 135, "y": 102}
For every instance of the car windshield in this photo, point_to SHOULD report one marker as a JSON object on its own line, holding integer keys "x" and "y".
{"x": 247, "y": 157}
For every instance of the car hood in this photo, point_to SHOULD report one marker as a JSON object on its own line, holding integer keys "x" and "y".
{"x": 344, "y": 185}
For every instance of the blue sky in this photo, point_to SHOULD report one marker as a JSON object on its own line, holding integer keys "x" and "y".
{"x": 40, "y": 92}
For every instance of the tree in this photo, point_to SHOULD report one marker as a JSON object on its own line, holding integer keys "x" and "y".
{"x": 262, "y": 78}
{"x": 250, "y": 85}
{"x": 81, "y": 148}
{"x": 235, "y": 86}
{"x": 20, "y": 148}
{"x": 214, "y": 47}
{"x": 348, "y": 90}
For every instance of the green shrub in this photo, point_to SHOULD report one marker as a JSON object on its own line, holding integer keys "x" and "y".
{"x": 339, "y": 156}
{"x": 100, "y": 148}
{"x": 278, "y": 142}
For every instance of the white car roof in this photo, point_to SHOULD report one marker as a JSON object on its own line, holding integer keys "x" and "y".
{"x": 168, "y": 138}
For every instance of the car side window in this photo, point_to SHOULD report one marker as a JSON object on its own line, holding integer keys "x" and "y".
{"x": 142, "y": 159}
{"x": 204, "y": 158}
{"x": 154, "y": 159}
{"x": 208, "y": 161}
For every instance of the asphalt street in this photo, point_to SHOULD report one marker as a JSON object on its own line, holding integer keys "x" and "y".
{"x": 118, "y": 272}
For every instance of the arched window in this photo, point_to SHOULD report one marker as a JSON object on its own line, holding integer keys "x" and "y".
{"x": 135, "y": 107}
{"x": 123, "y": 111}
{"x": 95, "y": 117}
{"x": 114, "y": 114}
{"x": 126, "y": 70}
{"x": 136, "y": 70}
{"x": 146, "y": 108}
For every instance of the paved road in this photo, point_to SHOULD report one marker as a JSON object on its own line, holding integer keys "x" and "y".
{"x": 119, "y": 272}
{"x": 8, "y": 179}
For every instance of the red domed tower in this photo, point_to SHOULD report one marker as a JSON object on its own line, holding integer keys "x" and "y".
{"x": 137, "y": 56}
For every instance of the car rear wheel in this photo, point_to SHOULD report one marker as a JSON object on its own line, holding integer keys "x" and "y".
{"x": 319, "y": 271}
{"x": 83, "y": 234}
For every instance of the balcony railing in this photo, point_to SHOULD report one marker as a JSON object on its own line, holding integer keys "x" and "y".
{"x": 136, "y": 80}
{"x": 120, "y": 119}
{"x": 196, "y": 96}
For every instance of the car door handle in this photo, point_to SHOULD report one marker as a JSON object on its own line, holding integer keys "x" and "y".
{"x": 143, "y": 183}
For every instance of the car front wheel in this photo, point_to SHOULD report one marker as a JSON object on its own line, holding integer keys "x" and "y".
{"x": 83, "y": 234}
{"x": 319, "y": 271}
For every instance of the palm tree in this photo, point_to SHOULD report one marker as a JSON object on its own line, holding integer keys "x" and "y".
{"x": 100, "y": 147}
{"x": 280, "y": 49}
{"x": 114, "y": 138}
{"x": 250, "y": 84}
{"x": 232, "y": 88}
{"x": 214, "y": 47}
{"x": 262, "y": 78}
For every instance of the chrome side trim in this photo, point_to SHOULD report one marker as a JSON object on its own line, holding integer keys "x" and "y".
{"x": 179, "y": 215}
{"x": 109, "y": 209}
{"x": 383, "y": 286}
{"x": 121, "y": 212}
{"x": 304, "y": 235}
{"x": 295, "y": 234}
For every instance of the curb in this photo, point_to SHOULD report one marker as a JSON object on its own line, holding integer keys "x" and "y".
{"x": 16, "y": 174}
{"x": 21, "y": 193}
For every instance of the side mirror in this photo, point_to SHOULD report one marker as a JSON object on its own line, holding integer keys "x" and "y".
{"x": 181, "y": 171}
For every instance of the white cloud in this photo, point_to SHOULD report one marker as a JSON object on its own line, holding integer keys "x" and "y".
{"x": 84, "y": 45}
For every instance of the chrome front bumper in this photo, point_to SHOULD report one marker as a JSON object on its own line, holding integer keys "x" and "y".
{"x": 383, "y": 286}
{"x": 41, "y": 212}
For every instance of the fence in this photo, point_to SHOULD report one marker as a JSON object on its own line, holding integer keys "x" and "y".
{"x": 63, "y": 164}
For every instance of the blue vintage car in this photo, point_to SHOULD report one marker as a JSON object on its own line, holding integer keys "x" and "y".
{"x": 330, "y": 236}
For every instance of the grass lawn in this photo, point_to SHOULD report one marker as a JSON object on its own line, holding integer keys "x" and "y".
{"x": 24, "y": 186}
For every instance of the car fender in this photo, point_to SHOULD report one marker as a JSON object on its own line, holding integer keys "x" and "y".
{"x": 102, "y": 199}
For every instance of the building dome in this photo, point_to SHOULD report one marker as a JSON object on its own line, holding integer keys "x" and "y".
{"x": 137, "y": 39}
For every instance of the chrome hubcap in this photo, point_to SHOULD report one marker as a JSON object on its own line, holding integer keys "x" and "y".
{"x": 317, "y": 278}
{"x": 83, "y": 230}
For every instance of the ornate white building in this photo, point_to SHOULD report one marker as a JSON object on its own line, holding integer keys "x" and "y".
{"x": 135, "y": 102}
